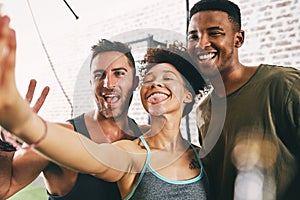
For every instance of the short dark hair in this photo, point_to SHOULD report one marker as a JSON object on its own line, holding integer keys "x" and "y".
{"x": 105, "y": 45}
{"x": 233, "y": 11}
{"x": 180, "y": 59}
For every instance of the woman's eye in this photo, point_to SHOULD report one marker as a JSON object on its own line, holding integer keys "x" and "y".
{"x": 169, "y": 76}
{"x": 145, "y": 81}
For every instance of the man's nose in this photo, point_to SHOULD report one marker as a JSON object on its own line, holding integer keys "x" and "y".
{"x": 110, "y": 81}
{"x": 203, "y": 41}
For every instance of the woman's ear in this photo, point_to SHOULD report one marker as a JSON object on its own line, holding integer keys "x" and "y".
{"x": 188, "y": 97}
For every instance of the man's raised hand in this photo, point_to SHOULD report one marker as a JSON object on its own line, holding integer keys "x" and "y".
{"x": 40, "y": 101}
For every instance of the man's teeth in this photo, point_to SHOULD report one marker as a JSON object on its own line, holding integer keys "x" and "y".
{"x": 206, "y": 56}
{"x": 111, "y": 98}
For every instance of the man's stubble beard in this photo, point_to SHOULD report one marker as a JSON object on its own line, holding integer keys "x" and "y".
{"x": 108, "y": 113}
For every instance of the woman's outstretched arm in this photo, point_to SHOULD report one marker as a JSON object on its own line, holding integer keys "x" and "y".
{"x": 60, "y": 144}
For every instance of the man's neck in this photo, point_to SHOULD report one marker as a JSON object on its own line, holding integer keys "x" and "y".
{"x": 232, "y": 80}
{"x": 109, "y": 129}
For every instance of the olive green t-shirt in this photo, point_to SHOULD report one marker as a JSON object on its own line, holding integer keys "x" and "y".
{"x": 258, "y": 150}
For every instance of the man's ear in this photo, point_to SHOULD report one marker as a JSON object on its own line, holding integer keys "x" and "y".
{"x": 188, "y": 97}
{"x": 239, "y": 39}
{"x": 136, "y": 81}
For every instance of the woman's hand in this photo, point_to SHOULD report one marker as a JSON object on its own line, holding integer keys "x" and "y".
{"x": 14, "y": 110}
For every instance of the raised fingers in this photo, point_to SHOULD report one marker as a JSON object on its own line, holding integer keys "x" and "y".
{"x": 30, "y": 91}
{"x": 38, "y": 104}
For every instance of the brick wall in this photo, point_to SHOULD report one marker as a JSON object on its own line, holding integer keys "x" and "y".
{"x": 272, "y": 36}
{"x": 272, "y": 32}
{"x": 71, "y": 58}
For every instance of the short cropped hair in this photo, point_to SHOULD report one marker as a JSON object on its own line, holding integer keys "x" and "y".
{"x": 105, "y": 45}
{"x": 233, "y": 11}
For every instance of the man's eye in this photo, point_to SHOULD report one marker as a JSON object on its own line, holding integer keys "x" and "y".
{"x": 98, "y": 76}
{"x": 192, "y": 37}
{"x": 214, "y": 34}
{"x": 120, "y": 73}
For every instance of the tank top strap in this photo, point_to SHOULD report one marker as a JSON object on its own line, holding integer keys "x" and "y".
{"x": 144, "y": 168}
{"x": 79, "y": 125}
{"x": 199, "y": 160}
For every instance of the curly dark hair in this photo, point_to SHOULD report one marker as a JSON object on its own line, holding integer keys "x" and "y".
{"x": 179, "y": 58}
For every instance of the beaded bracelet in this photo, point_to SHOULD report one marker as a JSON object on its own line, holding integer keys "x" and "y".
{"x": 17, "y": 145}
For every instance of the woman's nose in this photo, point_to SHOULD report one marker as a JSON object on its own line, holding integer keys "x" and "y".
{"x": 156, "y": 84}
